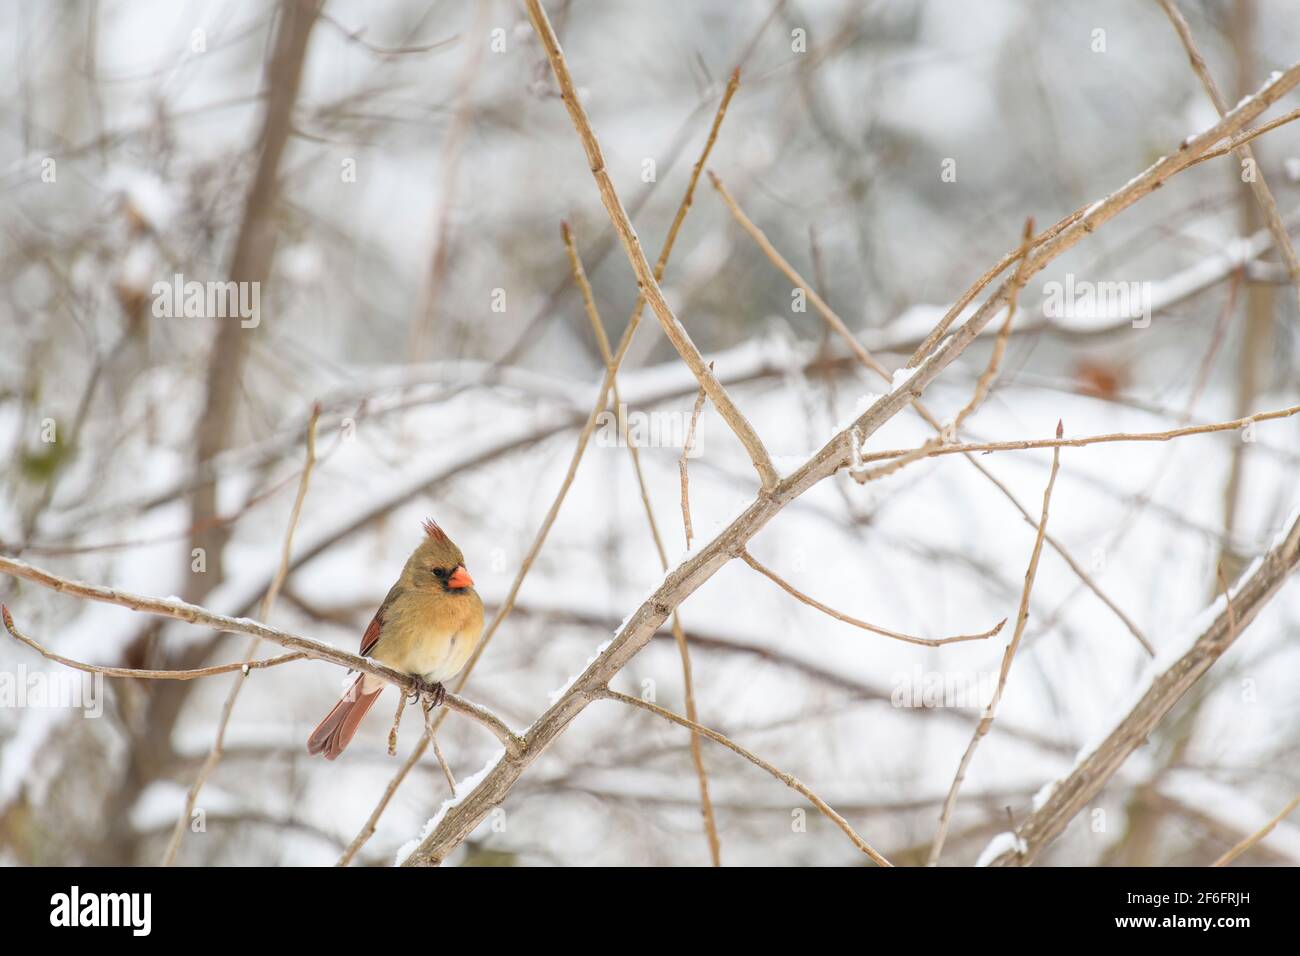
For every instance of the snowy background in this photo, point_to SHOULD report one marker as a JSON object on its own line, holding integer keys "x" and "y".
{"x": 464, "y": 151}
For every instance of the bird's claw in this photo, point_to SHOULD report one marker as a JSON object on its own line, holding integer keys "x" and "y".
{"x": 439, "y": 694}
{"x": 432, "y": 693}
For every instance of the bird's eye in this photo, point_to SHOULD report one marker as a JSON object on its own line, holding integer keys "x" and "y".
{"x": 440, "y": 572}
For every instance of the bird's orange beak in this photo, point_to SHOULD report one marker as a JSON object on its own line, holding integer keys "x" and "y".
{"x": 459, "y": 578}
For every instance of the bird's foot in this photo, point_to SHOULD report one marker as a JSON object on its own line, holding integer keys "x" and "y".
{"x": 432, "y": 692}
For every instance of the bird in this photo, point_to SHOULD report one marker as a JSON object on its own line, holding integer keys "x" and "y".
{"x": 428, "y": 626}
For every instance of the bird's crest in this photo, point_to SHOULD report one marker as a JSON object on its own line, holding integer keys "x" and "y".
{"x": 433, "y": 531}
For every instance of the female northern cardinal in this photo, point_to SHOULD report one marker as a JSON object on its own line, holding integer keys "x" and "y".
{"x": 428, "y": 626}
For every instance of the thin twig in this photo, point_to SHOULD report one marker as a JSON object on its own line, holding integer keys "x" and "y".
{"x": 372, "y": 822}
{"x": 931, "y": 340}
{"x": 138, "y": 673}
{"x": 442, "y": 762}
{"x": 856, "y": 465}
{"x": 397, "y": 721}
{"x": 264, "y": 613}
{"x": 1258, "y": 185}
{"x": 941, "y": 328}
{"x": 1227, "y": 602}
{"x": 457, "y": 822}
{"x": 1029, "y": 444}
{"x": 1235, "y": 142}
{"x": 1067, "y": 796}
{"x": 863, "y": 475}
{"x": 811, "y": 602}
{"x": 782, "y": 264}
{"x": 682, "y": 472}
{"x": 202, "y": 617}
{"x": 985, "y": 382}
{"x": 357, "y": 36}
{"x": 790, "y": 781}
{"x": 647, "y": 283}
{"x": 679, "y": 635}
{"x": 990, "y": 712}
{"x": 982, "y": 385}
{"x": 437, "y": 751}
{"x": 424, "y": 326}
{"x": 1258, "y": 835}
{"x": 602, "y": 400}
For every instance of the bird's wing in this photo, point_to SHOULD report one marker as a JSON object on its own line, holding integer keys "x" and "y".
{"x": 371, "y": 637}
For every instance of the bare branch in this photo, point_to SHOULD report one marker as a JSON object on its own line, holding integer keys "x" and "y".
{"x": 140, "y": 673}
{"x": 908, "y": 638}
{"x": 647, "y": 283}
{"x": 437, "y": 751}
{"x": 268, "y": 601}
{"x": 368, "y": 830}
{"x": 967, "y": 297}
{"x": 760, "y": 239}
{"x": 1029, "y": 444}
{"x": 990, "y": 712}
{"x": 1171, "y": 678}
{"x": 1235, "y": 142}
{"x": 397, "y": 722}
{"x": 357, "y": 36}
{"x": 790, "y": 781}
{"x": 857, "y": 467}
{"x": 593, "y": 316}
{"x": 1258, "y": 185}
{"x": 251, "y": 261}
{"x": 201, "y": 616}
{"x": 985, "y": 382}
{"x": 584, "y": 436}
{"x": 457, "y": 820}
{"x": 683, "y": 474}
{"x": 1258, "y": 835}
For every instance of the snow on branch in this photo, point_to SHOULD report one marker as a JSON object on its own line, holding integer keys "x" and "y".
{"x": 1168, "y": 678}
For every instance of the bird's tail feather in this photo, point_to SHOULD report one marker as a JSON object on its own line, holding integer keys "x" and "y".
{"x": 335, "y": 732}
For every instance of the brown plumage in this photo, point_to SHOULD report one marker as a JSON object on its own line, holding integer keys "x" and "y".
{"x": 427, "y": 626}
